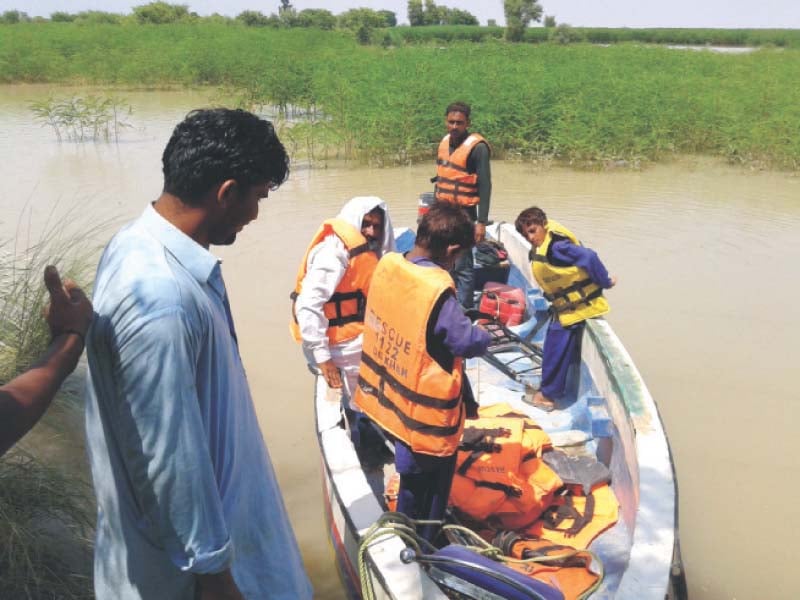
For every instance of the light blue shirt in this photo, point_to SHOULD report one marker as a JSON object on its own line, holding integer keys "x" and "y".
{"x": 183, "y": 479}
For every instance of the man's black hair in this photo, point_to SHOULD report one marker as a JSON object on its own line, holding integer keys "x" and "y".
{"x": 211, "y": 146}
{"x": 461, "y": 107}
{"x": 445, "y": 225}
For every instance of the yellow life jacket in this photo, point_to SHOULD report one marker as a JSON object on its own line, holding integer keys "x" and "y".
{"x": 574, "y": 297}
{"x": 345, "y": 308}
{"x": 576, "y": 519}
{"x": 453, "y": 183}
{"x": 500, "y": 477}
{"x": 400, "y": 386}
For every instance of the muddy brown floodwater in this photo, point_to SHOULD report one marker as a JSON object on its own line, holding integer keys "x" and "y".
{"x": 707, "y": 260}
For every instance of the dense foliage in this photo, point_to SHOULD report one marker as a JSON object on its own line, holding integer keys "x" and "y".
{"x": 577, "y": 102}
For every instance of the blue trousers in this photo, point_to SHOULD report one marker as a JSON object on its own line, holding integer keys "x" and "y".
{"x": 562, "y": 350}
{"x": 463, "y": 275}
{"x": 424, "y": 485}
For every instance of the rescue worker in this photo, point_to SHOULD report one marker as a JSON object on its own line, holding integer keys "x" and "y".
{"x": 411, "y": 381}
{"x": 330, "y": 293}
{"x": 463, "y": 177}
{"x": 572, "y": 277}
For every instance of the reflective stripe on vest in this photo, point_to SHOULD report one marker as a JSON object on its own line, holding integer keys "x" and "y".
{"x": 345, "y": 308}
{"x": 453, "y": 183}
{"x": 574, "y": 297}
{"x": 401, "y": 387}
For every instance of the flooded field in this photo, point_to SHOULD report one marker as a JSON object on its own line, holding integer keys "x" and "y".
{"x": 706, "y": 256}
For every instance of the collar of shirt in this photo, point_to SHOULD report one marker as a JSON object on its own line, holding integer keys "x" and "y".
{"x": 422, "y": 261}
{"x": 204, "y": 266}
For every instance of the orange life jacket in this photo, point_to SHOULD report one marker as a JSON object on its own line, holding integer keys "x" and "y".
{"x": 575, "y": 519}
{"x": 500, "y": 477}
{"x": 345, "y": 308}
{"x": 558, "y": 565}
{"x": 400, "y": 386}
{"x": 453, "y": 183}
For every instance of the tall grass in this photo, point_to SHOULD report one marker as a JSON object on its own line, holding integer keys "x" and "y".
{"x": 46, "y": 514}
{"x": 579, "y": 103}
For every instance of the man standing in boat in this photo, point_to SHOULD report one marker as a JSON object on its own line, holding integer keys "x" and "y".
{"x": 572, "y": 277}
{"x": 188, "y": 503}
{"x": 330, "y": 295}
{"x": 463, "y": 177}
{"x": 411, "y": 381}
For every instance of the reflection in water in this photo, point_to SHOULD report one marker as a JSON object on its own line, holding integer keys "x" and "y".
{"x": 706, "y": 259}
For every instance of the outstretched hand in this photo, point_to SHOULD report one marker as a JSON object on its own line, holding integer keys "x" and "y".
{"x": 69, "y": 309}
{"x": 613, "y": 279}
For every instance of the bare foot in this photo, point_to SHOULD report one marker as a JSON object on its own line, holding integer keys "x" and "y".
{"x": 542, "y": 402}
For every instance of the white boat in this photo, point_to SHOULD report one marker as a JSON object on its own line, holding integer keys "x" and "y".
{"x": 614, "y": 417}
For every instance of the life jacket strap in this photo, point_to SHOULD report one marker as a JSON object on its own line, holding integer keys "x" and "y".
{"x": 338, "y": 298}
{"x": 447, "y": 163}
{"x": 509, "y": 490}
{"x": 554, "y": 516}
{"x": 569, "y": 305}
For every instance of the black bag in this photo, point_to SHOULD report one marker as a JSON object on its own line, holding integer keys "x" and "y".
{"x": 489, "y": 253}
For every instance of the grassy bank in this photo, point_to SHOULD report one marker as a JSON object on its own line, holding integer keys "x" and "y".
{"x": 578, "y": 103}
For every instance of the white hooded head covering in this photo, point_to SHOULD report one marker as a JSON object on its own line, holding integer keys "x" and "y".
{"x": 353, "y": 212}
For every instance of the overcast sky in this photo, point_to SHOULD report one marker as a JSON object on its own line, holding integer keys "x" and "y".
{"x": 588, "y": 13}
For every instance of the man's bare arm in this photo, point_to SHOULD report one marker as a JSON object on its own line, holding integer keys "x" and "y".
{"x": 24, "y": 399}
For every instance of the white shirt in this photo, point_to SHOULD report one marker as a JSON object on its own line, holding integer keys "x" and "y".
{"x": 326, "y": 265}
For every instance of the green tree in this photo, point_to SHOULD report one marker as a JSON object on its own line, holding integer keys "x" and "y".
{"x": 549, "y": 21}
{"x": 286, "y": 13}
{"x": 11, "y": 17}
{"x": 158, "y": 13}
{"x": 433, "y": 14}
{"x": 98, "y": 17}
{"x": 519, "y": 13}
{"x": 253, "y": 18}
{"x": 62, "y": 17}
{"x": 565, "y": 34}
{"x": 455, "y": 16}
{"x": 315, "y": 17}
{"x": 361, "y": 21}
{"x": 389, "y": 17}
{"x": 416, "y": 14}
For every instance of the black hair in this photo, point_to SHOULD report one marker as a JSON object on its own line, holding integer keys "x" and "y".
{"x": 461, "y": 107}
{"x": 211, "y": 146}
{"x": 530, "y": 216}
{"x": 445, "y": 225}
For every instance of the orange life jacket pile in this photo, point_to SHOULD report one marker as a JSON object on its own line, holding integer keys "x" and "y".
{"x": 503, "y": 486}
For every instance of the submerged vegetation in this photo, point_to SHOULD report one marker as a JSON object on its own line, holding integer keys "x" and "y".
{"x": 580, "y": 103}
{"x": 84, "y": 118}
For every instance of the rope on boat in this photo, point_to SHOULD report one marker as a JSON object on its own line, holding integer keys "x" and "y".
{"x": 400, "y": 525}
{"x": 389, "y": 524}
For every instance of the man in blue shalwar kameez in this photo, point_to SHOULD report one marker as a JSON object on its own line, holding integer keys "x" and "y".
{"x": 188, "y": 502}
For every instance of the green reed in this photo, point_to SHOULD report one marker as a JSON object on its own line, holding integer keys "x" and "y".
{"x": 46, "y": 513}
{"x": 84, "y": 118}
{"x": 580, "y": 103}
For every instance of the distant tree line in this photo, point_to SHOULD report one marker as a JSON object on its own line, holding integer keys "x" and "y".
{"x": 361, "y": 21}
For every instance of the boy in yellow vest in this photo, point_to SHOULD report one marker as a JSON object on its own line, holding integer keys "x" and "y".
{"x": 572, "y": 277}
